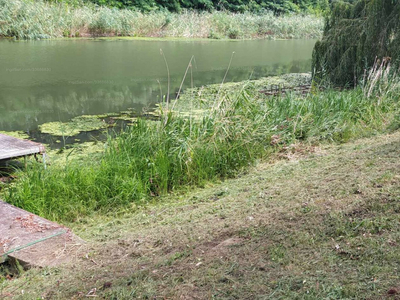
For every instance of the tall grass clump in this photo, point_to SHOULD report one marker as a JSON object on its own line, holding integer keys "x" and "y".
{"x": 231, "y": 129}
{"x": 39, "y": 19}
{"x": 149, "y": 159}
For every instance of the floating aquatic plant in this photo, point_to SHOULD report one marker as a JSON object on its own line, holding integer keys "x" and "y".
{"x": 74, "y": 127}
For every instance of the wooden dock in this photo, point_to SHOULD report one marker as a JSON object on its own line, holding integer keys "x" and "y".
{"x": 35, "y": 241}
{"x": 25, "y": 237}
{"x": 11, "y": 147}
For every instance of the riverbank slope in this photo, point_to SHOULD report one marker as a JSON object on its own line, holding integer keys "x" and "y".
{"x": 317, "y": 222}
{"x": 206, "y": 135}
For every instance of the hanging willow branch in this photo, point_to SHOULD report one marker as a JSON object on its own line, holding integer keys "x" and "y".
{"x": 354, "y": 36}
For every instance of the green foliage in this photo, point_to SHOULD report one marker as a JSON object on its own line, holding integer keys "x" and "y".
{"x": 278, "y": 6}
{"x": 237, "y": 126}
{"x": 355, "y": 35}
{"x": 38, "y": 20}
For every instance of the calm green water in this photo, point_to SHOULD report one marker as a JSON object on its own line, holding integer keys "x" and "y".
{"x": 44, "y": 81}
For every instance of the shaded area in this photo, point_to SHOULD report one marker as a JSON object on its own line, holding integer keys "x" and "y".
{"x": 356, "y": 36}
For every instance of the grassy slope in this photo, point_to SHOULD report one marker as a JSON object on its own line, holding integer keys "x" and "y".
{"x": 324, "y": 223}
{"x": 154, "y": 158}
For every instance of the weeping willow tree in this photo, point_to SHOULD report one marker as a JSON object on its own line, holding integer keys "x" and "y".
{"x": 356, "y": 35}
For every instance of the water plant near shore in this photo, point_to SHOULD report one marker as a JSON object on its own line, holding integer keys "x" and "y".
{"x": 238, "y": 127}
{"x": 39, "y": 19}
{"x": 74, "y": 127}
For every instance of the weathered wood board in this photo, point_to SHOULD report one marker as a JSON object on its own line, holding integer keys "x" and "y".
{"x": 11, "y": 147}
{"x": 35, "y": 241}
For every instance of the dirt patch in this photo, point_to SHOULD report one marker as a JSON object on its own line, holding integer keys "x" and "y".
{"x": 32, "y": 224}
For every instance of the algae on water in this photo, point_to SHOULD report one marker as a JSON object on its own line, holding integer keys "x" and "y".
{"x": 74, "y": 127}
{"x": 196, "y": 101}
{"x": 78, "y": 153}
{"x": 17, "y": 134}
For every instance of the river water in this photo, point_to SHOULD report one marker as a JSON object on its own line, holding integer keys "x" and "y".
{"x": 56, "y": 80}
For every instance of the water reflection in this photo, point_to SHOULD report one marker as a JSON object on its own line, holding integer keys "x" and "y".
{"x": 58, "y": 80}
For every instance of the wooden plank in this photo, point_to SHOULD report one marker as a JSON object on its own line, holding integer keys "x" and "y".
{"x": 11, "y": 147}
{"x": 35, "y": 241}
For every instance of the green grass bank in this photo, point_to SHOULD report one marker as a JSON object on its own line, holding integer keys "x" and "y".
{"x": 317, "y": 223}
{"x": 208, "y": 134}
{"x": 24, "y": 19}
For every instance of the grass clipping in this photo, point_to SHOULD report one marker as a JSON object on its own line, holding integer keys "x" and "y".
{"x": 323, "y": 226}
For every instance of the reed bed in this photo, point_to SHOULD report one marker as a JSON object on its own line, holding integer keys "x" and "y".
{"x": 24, "y": 19}
{"x": 224, "y": 133}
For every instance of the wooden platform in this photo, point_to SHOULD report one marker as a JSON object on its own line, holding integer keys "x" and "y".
{"x": 11, "y": 147}
{"x": 35, "y": 241}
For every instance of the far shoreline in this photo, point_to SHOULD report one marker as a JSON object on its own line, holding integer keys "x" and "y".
{"x": 43, "y": 20}
{"x": 112, "y": 38}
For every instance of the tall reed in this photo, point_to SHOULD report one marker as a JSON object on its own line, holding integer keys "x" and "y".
{"x": 39, "y": 19}
{"x": 152, "y": 158}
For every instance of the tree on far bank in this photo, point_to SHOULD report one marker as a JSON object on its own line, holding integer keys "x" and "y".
{"x": 278, "y": 6}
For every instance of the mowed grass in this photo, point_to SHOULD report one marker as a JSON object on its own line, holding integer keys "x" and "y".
{"x": 315, "y": 223}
